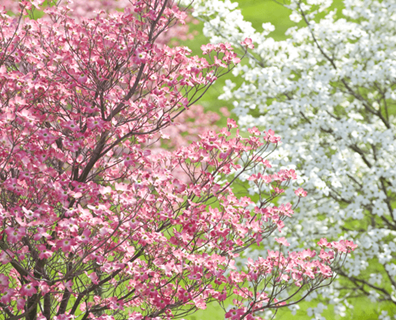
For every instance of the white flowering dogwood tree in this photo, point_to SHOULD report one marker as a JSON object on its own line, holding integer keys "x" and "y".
{"x": 330, "y": 89}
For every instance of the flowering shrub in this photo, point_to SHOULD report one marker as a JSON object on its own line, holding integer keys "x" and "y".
{"x": 330, "y": 89}
{"x": 94, "y": 226}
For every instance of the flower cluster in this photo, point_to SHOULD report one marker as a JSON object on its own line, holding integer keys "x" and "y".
{"x": 267, "y": 277}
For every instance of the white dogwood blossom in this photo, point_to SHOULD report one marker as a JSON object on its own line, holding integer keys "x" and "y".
{"x": 330, "y": 91}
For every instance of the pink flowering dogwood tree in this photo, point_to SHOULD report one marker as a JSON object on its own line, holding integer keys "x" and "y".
{"x": 94, "y": 226}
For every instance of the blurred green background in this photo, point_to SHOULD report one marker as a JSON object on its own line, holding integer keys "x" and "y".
{"x": 259, "y": 12}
